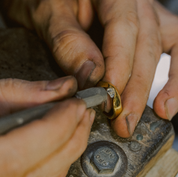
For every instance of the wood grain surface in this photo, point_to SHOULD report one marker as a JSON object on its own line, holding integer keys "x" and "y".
{"x": 166, "y": 166}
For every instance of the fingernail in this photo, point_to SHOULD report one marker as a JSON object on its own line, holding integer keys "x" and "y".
{"x": 171, "y": 108}
{"x": 56, "y": 84}
{"x": 84, "y": 73}
{"x": 92, "y": 116}
{"x": 132, "y": 121}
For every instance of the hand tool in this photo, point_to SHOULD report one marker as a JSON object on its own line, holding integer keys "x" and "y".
{"x": 92, "y": 97}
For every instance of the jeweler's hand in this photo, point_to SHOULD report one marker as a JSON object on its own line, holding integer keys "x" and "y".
{"x": 166, "y": 102}
{"x": 132, "y": 48}
{"x": 131, "y": 45}
{"x": 61, "y": 23}
{"x": 45, "y": 147}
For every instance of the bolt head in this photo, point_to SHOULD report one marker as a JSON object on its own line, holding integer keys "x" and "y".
{"x": 135, "y": 146}
{"x": 104, "y": 160}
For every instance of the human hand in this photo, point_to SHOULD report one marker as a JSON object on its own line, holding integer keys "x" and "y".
{"x": 43, "y": 147}
{"x": 131, "y": 46}
{"x": 166, "y": 102}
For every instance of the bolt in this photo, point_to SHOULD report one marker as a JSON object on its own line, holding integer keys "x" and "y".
{"x": 139, "y": 137}
{"x": 155, "y": 125}
{"x": 104, "y": 160}
{"x": 114, "y": 160}
{"x": 135, "y": 146}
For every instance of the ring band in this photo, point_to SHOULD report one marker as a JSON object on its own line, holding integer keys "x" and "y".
{"x": 117, "y": 105}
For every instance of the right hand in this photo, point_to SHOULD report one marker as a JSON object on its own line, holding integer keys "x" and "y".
{"x": 48, "y": 146}
{"x": 166, "y": 102}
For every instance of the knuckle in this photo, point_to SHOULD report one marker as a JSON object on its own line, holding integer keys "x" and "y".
{"x": 153, "y": 43}
{"x": 128, "y": 20}
{"x": 7, "y": 82}
{"x": 64, "y": 45}
{"x": 132, "y": 21}
{"x": 165, "y": 93}
{"x": 155, "y": 38}
{"x": 62, "y": 40}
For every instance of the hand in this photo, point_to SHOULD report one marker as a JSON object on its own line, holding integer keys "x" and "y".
{"x": 43, "y": 147}
{"x": 166, "y": 102}
{"x": 131, "y": 45}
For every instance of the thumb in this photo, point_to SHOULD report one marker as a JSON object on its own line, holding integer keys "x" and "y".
{"x": 18, "y": 94}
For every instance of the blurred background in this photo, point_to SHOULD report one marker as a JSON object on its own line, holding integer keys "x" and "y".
{"x": 172, "y": 5}
{"x": 161, "y": 75}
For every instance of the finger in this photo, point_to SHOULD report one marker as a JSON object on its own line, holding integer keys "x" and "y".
{"x": 73, "y": 49}
{"x": 166, "y": 102}
{"x": 59, "y": 162}
{"x": 19, "y": 94}
{"x": 85, "y": 13}
{"x": 148, "y": 51}
{"x": 168, "y": 27}
{"x": 25, "y": 147}
{"x": 121, "y": 27}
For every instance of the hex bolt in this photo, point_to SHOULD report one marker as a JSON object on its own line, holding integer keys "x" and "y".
{"x": 139, "y": 137}
{"x": 104, "y": 160}
{"x": 135, "y": 146}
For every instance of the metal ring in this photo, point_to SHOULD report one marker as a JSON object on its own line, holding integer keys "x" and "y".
{"x": 117, "y": 105}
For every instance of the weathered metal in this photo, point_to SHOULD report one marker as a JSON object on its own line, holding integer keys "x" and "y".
{"x": 104, "y": 158}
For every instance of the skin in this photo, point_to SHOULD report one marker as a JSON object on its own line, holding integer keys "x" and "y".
{"x": 42, "y": 147}
{"x": 135, "y": 34}
{"x": 166, "y": 103}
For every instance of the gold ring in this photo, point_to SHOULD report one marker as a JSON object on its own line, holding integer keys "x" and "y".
{"x": 117, "y": 105}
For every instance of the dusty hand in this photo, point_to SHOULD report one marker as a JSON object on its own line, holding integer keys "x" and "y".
{"x": 131, "y": 45}
{"x": 43, "y": 147}
{"x": 166, "y": 102}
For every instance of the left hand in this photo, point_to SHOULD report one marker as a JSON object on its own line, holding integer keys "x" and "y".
{"x": 131, "y": 48}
